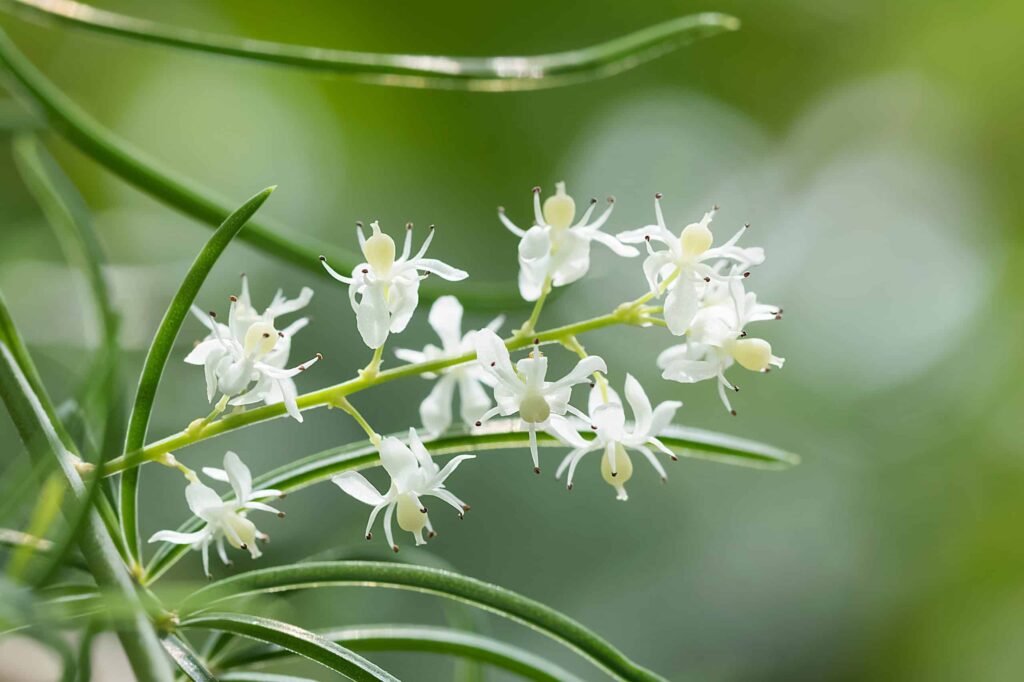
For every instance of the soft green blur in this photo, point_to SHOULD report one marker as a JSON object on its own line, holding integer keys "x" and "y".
{"x": 877, "y": 149}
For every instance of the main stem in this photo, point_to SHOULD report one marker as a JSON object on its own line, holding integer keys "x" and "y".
{"x": 627, "y": 313}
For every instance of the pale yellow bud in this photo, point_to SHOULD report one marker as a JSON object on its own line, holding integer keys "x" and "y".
{"x": 534, "y": 409}
{"x": 244, "y": 535}
{"x": 260, "y": 339}
{"x": 379, "y": 251}
{"x": 559, "y": 209}
{"x": 410, "y": 516}
{"x": 752, "y": 354}
{"x": 623, "y": 470}
{"x": 695, "y": 239}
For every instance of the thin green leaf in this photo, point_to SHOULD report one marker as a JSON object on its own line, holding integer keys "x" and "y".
{"x": 295, "y": 639}
{"x": 249, "y": 676}
{"x": 160, "y": 350}
{"x": 495, "y": 74}
{"x": 15, "y": 538}
{"x": 422, "y": 579}
{"x": 32, "y": 414}
{"x": 302, "y": 473}
{"x": 187, "y": 659}
{"x": 187, "y": 196}
{"x": 431, "y": 639}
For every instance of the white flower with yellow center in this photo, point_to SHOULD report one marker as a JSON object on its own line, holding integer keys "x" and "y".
{"x": 717, "y": 339}
{"x": 225, "y": 520}
{"x": 414, "y": 475}
{"x": 523, "y": 389}
{"x": 686, "y": 266}
{"x": 245, "y": 359}
{"x": 384, "y": 291}
{"x": 436, "y": 409}
{"x": 554, "y": 247}
{"x": 613, "y": 438}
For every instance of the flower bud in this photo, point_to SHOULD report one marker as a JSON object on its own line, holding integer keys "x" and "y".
{"x": 752, "y": 354}
{"x": 560, "y": 209}
{"x": 410, "y": 517}
{"x": 534, "y": 409}
{"x": 260, "y": 339}
{"x": 623, "y": 470}
{"x": 379, "y": 251}
{"x": 695, "y": 239}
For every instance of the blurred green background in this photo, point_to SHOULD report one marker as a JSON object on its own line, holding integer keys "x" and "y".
{"x": 877, "y": 149}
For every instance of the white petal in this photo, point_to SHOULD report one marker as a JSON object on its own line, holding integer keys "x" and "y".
{"x": 581, "y": 372}
{"x": 617, "y": 247}
{"x": 201, "y": 497}
{"x": 442, "y": 270}
{"x": 663, "y": 416}
{"x": 405, "y": 296}
{"x": 493, "y": 355}
{"x": 609, "y": 419}
{"x": 203, "y": 352}
{"x": 446, "y": 319}
{"x": 176, "y": 538}
{"x": 238, "y": 475}
{"x": 639, "y": 404}
{"x": 572, "y": 261}
{"x": 600, "y": 394}
{"x": 282, "y": 306}
{"x": 436, "y": 408}
{"x": 356, "y": 485}
{"x": 372, "y": 317}
{"x": 563, "y": 430}
{"x": 447, "y": 470}
{"x": 398, "y": 460}
{"x": 473, "y": 399}
{"x": 680, "y": 306}
{"x": 216, "y": 474}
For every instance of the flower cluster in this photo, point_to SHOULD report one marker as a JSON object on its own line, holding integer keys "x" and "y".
{"x": 704, "y": 301}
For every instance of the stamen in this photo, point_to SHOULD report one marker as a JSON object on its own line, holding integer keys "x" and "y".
{"x": 281, "y": 515}
{"x": 536, "y": 342}
{"x": 569, "y": 487}
{"x": 233, "y": 299}
{"x": 408, "y": 226}
{"x": 707, "y": 279}
{"x": 715, "y": 207}
{"x": 658, "y": 195}
{"x": 359, "y": 223}
{"x": 479, "y": 423}
{"x": 593, "y": 200}
{"x": 281, "y": 334}
{"x": 369, "y": 536}
{"x": 319, "y": 356}
{"x": 266, "y": 335}
{"x": 536, "y": 190}
{"x": 501, "y": 209}
{"x": 395, "y": 547}
{"x": 746, "y": 274}
{"x": 610, "y": 200}
{"x": 323, "y": 258}
{"x": 466, "y": 507}
{"x": 746, "y": 226}
{"x": 732, "y": 412}
{"x": 366, "y": 271}
{"x": 431, "y": 535}
{"x": 536, "y": 470}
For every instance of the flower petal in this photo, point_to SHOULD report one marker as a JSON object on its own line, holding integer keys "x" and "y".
{"x": 436, "y": 408}
{"x": 446, "y": 319}
{"x": 580, "y": 373}
{"x": 239, "y": 476}
{"x": 373, "y": 318}
{"x": 356, "y": 485}
{"x": 177, "y": 538}
{"x": 442, "y": 270}
{"x": 640, "y": 404}
{"x": 473, "y": 399}
{"x": 680, "y": 306}
{"x": 201, "y": 497}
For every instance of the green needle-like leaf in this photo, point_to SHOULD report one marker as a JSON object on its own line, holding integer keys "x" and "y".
{"x": 301, "y": 473}
{"x": 33, "y": 416}
{"x": 295, "y": 639}
{"x": 187, "y": 659}
{"x": 187, "y": 196}
{"x": 430, "y": 580}
{"x": 160, "y": 350}
{"x": 431, "y": 639}
{"x": 249, "y": 676}
{"x": 496, "y": 74}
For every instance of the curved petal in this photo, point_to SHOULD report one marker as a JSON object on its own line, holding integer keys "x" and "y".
{"x": 201, "y": 497}
{"x": 420, "y": 451}
{"x": 405, "y": 296}
{"x": 664, "y": 413}
{"x": 445, "y": 318}
{"x": 691, "y": 371}
{"x": 473, "y": 399}
{"x": 398, "y": 460}
{"x": 535, "y": 244}
{"x": 204, "y": 351}
{"x": 563, "y": 430}
{"x": 580, "y": 373}
{"x": 601, "y": 394}
{"x": 372, "y": 316}
{"x": 609, "y": 419}
{"x": 177, "y": 538}
{"x": 441, "y": 476}
{"x": 436, "y": 408}
{"x": 442, "y": 270}
{"x": 493, "y": 356}
{"x": 616, "y": 246}
{"x": 216, "y": 474}
{"x": 680, "y": 306}
{"x": 239, "y": 476}
{"x": 356, "y": 485}
{"x": 533, "y": 370}
{"x": 640, "y": 404}
{"x": 282, "y": 306}
{"x": 410, "y": 356}
{"x": 572, "y": 260}
{"x": 654, "y": 266}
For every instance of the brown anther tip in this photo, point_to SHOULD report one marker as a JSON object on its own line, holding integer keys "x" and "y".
{"x": 536, "y": 190}
{"x": 715, "y": 207}
{"x": 536, "y": 470}
{"x": 647, "y": 237}
{"x": 673, "y": 458}
{"x": 466, "y": 507}
{"x": 658, "y": 195}
{"x": 593, "y": 200}
{"x": 743, "y": 334}
{"x": 592, "y": 384}
{"x": 615, "y": 474}
{"x": 302, "y": 368}
{"x": 479, "y": 423}
{"x": 732, "y": 412}
{"x": 282, "y": 496}
{"x": 395, "y": 547}
{"x": 319, "y": 356}
{"x": 594, "y": 427}
{"x": 664, "y": 479}
{"x": 233, "y": 299}
{"x": 746, "y": 226}
{"x": 460, "y": 516}
{"x": 323, "y": 258}
{"x": 501, "y": 209}
{"x": 281, "y": 515}
{"x": 746, "y": 274}
{"x": 494, "y": 363}
{"x": 369, "y": 536}
{"x": 408, "y": 226}
{"x": 736, "y": 389}
{"x": 266, "y": 335}
{"x": 569, "y": 487}
{"x": 431, "y": 535}
{"x": 359, "y": 223}
{"x": 423, "y": 510}
{"x": 366, "y": 271}
{"x": 432, "y": 227}
{"x": 281, "y": 334}
{"x": 536, "y": 342}
{"x": 244, "y": 546}
{"x": 610, "y": 200}
{"x": 213, "y": 313}
{"x": 707, "y": 279}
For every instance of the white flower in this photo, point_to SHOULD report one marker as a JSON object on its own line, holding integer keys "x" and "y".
{"x": 224, "y": 520}
{"x": 384, "y": 291}
{"x": 687, "y": 265}
{"x": 245, "y": 358}
{"x": 541, "y": 404}
{"x": 717, "y": 339}
{"x": 436, "y": 409}
{"x": 413, "y": 475}
{"x": 608, "y": 420}
{"x": 556, "y": 248}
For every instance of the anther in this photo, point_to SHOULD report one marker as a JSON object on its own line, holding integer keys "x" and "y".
{"x": 732, "y": 412}
{"x": 266, "y": 335}
{"x": 466, "y": 507}
{"x": 569, "y": 487}
{"x": 746, "y": 274}
{"x": 319, "y": 356}
{"x": 707, "y": 279}
{"x": 715, "y": 207}
{"x": 233, "y": 299}
{"x": 494, "y": 363}
{"x": 746, "y": 226}
{"x": 369, "y": 536}
{"x": 536, "y": 470}
{"x": 431, "y": 535}
{"x": 647, "y": 237}
{"x": 658, "y": 195}
{"x": 432, "y": 227}
{"x": 501, "y": 209}
{"x": 359, "y": 223}
{"x": 281, "y": 334}
{"x": 536, "y": 342}
{"x": 244, "y": 546}
{"x": 366, "y": 271}
{"x": 323, "y": 258}
{"x": 395, "y": 547}
{"x": 213, "y": 313}
{"x": 302, "y": 368}
{"x": 614, "y": 474}
{"x": 281, "y": 515}
{"x": 408, "y": 226}
{"x": 673, "y": 458}
{"x": 736, "y": 388}
{"x": 592, "y": 384}
{"x": 423, "y": 510}
{"x": 593, "y": 200}
{"x": 610, "y": 200}
{"x": 479, "y": 423}
{"x": 743, "y": 334}
{"x": 594, "y": 427}
{"x": 536, "y": 190}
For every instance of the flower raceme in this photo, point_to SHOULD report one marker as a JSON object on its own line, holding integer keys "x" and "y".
{"x": 555, "y": 251}
{"x": 687, "y": 265}
{"x": 523, "y": 389}
{"x": 414, "y": 475}
{"x": 436, "y": 409}
{"x": 245, "y": 359}
{"x": 614, "y": 439}
{"x": 225, "y": 520}
{"x": 384, "y": 291}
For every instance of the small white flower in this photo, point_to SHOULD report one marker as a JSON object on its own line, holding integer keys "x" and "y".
{"x": 717, "y": 339}
{"x": 384, "y": 291}
{"x": 692, "y": 257}
{"x": 608, "y": 420}
{"x": 414, "y": 474}
{"x": 245, "y": 358}
{"x": 436, "y": 409}
{"x": 556, "y": 248}
{"x": 523, "y": 389}
{"x": 224, "y": 520}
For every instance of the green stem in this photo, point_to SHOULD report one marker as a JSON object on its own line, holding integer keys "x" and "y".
{"x": 331, "y": 394}
{"x": 531, "y": 323}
